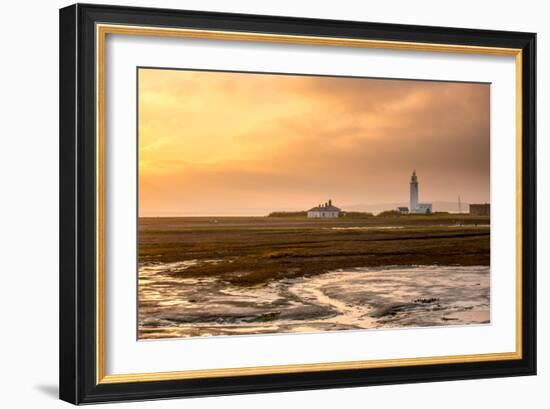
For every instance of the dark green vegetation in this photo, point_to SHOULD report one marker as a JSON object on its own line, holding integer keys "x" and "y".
{"x": 253, "y": 250}
{"x": 357, "y": 214}
{"x": 303, "y": 214}
{"x": 288, "y": 214}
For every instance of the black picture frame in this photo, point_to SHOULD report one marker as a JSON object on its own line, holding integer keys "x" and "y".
{"x": 78, "y": 258}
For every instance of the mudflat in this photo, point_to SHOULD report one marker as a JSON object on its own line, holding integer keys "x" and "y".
{"x": 251, "y": 251}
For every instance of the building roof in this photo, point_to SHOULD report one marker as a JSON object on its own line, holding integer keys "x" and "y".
{"x": 328, "y": 208}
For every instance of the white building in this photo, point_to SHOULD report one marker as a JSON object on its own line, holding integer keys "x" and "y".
{"x": 424, "y": 208}
{"x": 324, "y": 210}
{"x": 415, "y": 207}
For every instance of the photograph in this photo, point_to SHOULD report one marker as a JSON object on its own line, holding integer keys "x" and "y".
{"x": 289, "y": 203}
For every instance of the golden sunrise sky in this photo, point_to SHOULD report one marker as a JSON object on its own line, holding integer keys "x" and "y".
{"x": 216, "y": 143}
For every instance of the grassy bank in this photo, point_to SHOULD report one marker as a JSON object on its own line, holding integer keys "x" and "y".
{"x": 254, "y": 250}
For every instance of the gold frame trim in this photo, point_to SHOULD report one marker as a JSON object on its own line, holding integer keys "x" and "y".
{"x": 101, "y": 33}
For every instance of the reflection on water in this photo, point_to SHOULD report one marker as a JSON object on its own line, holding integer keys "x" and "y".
{"x": 359, "y": 298}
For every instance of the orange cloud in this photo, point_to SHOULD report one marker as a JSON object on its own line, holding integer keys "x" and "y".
{"x": 240, "y": 143}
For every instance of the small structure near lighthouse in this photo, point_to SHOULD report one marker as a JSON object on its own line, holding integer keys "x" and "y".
{"x": 326, "y": 210}
{"x": 482, "y": 209}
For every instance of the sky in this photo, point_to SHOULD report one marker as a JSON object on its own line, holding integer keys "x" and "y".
{"x": 220, "y": 143}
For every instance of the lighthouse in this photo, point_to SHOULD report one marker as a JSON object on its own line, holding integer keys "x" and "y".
{"x": 414, "y": 206}
{"x": 414, "y": 193}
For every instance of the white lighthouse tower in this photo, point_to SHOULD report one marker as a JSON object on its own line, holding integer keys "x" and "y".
{"x": 414, "y": 193}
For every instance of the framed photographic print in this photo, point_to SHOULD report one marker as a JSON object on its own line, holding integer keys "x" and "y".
{"x": 257, "y": 203}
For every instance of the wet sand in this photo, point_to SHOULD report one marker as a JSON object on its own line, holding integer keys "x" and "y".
{"x": 174, "y": 306}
